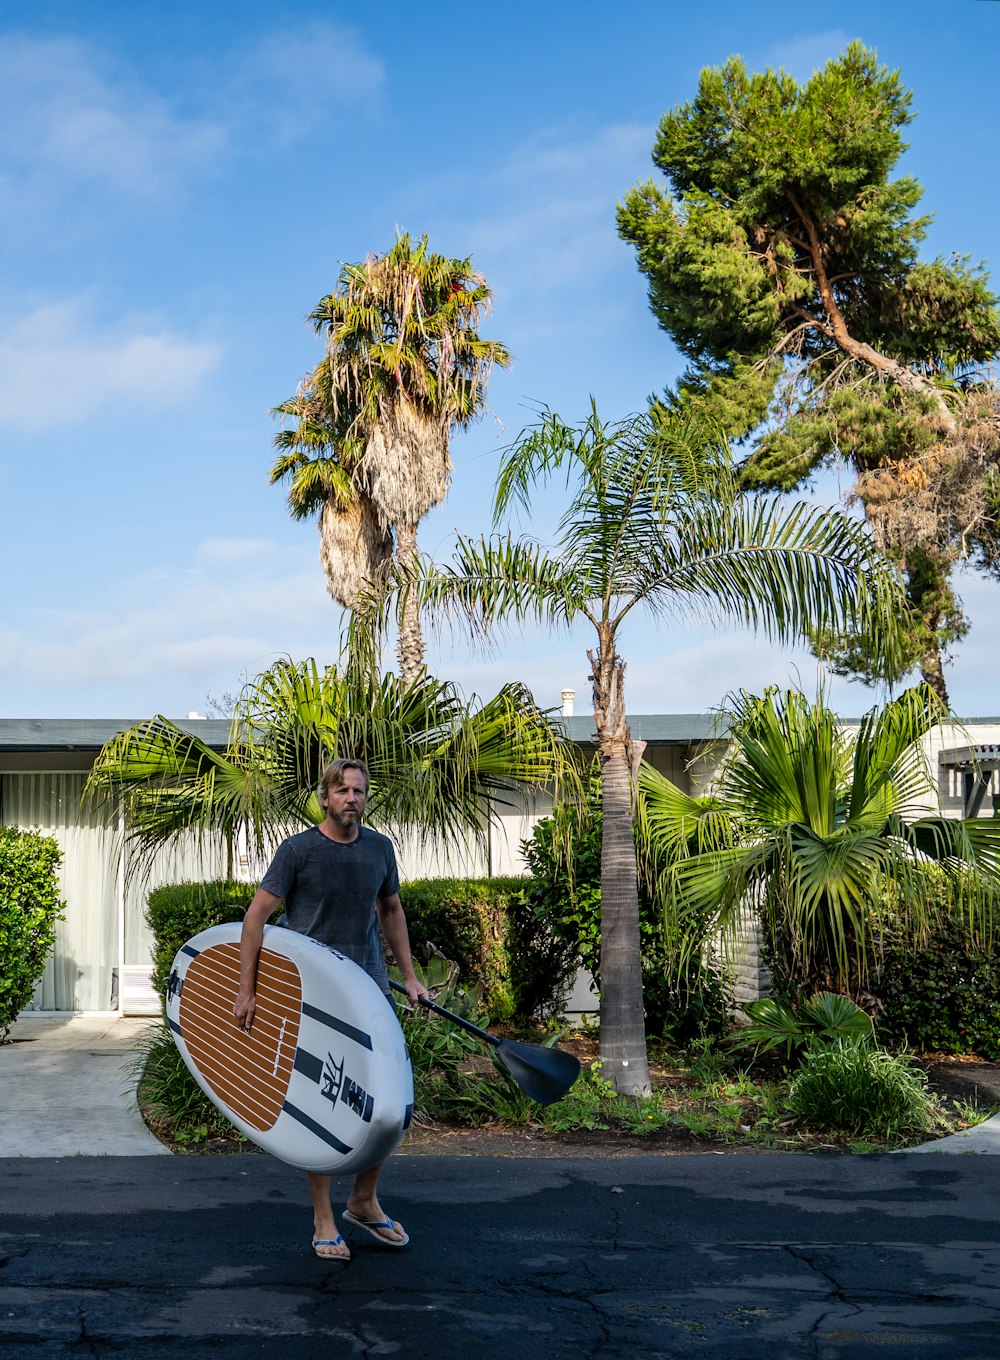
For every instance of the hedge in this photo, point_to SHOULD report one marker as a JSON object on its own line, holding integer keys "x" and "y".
{"x": 29, "y": 910}
{"x": 943, "y": 997}
{"x": 482, "y": 925}
{"x": 177, "y": 911}
{"x": 489, "y": 929}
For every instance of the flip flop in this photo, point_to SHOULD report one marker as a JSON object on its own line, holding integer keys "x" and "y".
{"x": 377, "y": 1229}
{"x": 337, "y": 1241}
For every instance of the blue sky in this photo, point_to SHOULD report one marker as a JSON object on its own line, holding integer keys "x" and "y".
{"x": 180, "y": 184}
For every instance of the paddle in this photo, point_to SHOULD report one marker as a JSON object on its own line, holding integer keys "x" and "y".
{"x": 545, "y": 1074}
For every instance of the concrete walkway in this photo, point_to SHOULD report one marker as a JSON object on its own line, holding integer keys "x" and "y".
{"x": 64, "y": 1091}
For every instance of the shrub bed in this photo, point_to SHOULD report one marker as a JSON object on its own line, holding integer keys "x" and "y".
{"x": 482, "y": 925}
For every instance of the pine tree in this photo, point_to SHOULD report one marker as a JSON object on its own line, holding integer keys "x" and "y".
{"x": 785, "y": 266}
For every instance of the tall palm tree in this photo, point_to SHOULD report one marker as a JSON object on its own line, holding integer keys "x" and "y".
{"x": 654, "y": 523}
{"x": 439, "y": 766}
{"x": 820, "y": 828}
{"x": 404, "y": 366}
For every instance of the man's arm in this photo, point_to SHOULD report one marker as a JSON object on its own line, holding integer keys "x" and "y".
{"x": 262, "y": 906}
{"x": 392, "y": 920}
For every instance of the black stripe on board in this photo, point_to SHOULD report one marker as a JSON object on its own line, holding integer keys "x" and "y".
{"x": 174, "y": 1026}
{"x": 315, "y": 1128}
{"x": 341, "y": 1026}
{"x": 308, "y": 1065}
{"x": 186, "y": 949}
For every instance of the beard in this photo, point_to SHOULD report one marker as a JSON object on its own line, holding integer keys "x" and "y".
{"x": 346, "y": 819}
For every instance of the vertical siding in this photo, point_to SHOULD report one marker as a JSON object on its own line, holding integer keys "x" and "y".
{"x": 79, "y": 975}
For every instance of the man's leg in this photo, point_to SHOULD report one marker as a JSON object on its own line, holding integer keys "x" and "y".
{"x": 324, "y": 1224}
{"x": 363, "y": 1205}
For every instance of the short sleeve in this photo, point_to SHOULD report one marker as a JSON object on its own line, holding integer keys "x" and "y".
{"x": 281, "y": 873}
{"x": 390, "y": 884}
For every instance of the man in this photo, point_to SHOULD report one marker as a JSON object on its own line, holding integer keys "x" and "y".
{"x": 339, "y": 884}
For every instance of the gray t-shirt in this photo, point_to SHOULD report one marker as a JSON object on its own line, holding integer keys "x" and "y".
{"x": 330, "y": 891}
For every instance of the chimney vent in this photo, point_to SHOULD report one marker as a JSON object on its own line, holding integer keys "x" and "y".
{"x": 568, "y": 695}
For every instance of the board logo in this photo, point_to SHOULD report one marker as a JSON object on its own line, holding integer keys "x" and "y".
{"x": 349, "y": 1092}
{"x": 333, "y": 1077}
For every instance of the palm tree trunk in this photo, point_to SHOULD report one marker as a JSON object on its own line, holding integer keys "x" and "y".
{"x": 932, "y": 671}
{"x": 624, "y": 1061}
{"x": 410, "y": 644}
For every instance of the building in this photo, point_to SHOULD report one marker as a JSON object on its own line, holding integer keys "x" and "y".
{"x": 101, "y": 958}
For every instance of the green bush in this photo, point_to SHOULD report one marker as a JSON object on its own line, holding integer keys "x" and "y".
{"x": 943, "y": 997}
{"x": 29, "y": 910}
{"x": 852, "y": 1087}
{"x": 176, "y": 911}
{"x": 492, "y": 933}
{"x": 565, "y": 892}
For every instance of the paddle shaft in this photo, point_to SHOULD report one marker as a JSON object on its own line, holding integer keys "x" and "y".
{"x": 450, "y": 1015}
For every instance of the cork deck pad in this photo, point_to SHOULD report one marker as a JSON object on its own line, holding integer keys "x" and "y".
{"x": 322, "y": 1080}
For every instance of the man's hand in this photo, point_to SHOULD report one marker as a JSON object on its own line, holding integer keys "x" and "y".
{"x": 415, "y": 989}
{"x": 244, "y": 1008}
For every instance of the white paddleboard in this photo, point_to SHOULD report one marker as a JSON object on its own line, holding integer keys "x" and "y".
{"x": 323, "y": 1079}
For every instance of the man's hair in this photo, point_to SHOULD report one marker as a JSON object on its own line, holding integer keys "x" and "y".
{"x": 333, "y": 775}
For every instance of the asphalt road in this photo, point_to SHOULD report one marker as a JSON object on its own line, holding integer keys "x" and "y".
{"x": 731, "y": 1257}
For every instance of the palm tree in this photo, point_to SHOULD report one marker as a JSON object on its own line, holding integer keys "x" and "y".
{"x": 439, "y": 766}
{"x": 816, "y": 826}
{"x": 404, "y": 367}
{"x": 654, "y": 523}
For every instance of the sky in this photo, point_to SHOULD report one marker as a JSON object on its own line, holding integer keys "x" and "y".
{"x": 179, "y": 185}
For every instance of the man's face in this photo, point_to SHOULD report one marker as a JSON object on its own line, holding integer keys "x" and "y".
{"x": 344, "y": 805}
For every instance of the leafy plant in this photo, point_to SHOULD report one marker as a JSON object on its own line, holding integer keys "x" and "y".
{"x": 814, "y": 825}
{"x": 850, "y": 1087}
{"x": 29, "y": 910}
{"x": 823, "y": 1017}
{"x": 940, "y": 994}
{"x": 563, "y": 855}
{"x": 494, "y": 937}
{"x": 441, "y": 1054}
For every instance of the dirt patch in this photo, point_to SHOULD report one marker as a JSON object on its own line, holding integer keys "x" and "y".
{"x": 969, "y": 1080}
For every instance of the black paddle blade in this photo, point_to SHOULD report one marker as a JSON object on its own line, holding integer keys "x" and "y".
{"x": 544, "y": 1074}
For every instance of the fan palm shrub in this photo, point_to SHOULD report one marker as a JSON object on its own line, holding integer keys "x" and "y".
{"x": 820, "y": 832}
{"x": 439, "y": 765}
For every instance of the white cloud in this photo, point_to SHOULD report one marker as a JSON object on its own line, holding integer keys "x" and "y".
{"x": 227, "y": 550}
{"x": 70, "y": 117}
{"x": 287, "y": 82}
{"x": 73, "y": 116}
{"x": 59, "y": 365}
{"x": 165, "y": 637}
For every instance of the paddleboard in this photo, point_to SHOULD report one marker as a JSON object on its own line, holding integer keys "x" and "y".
{"x": 323, "y": 1079}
